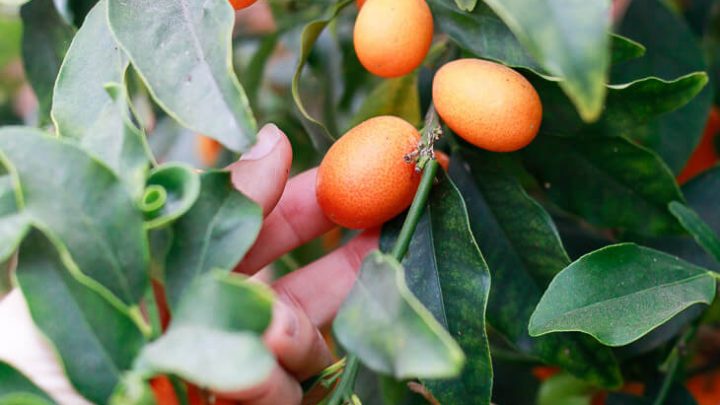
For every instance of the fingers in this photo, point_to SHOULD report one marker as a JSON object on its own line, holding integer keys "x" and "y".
{"x": 321, "y": 287}
{"x": 261, "y": 172}
{"x": 296, "y": 342}
{"x": 279, "y": 388}
{"x": 296, "y": 220}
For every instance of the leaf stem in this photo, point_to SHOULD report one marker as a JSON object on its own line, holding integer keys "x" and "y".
{"x": 153, "y": 313}
{"x": 347, "y": 381}
{"x": 672, "y": 365}
{"x": 416, "y": 210}
{"x": 180, "y": 391}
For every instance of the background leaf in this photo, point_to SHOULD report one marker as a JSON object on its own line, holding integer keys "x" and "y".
{"x": 610, "y": 182}
{"x": 189, "y": 70}
{"x": 398, "y": 97}
{"x": 523, "y": 252}
{"x": 448, "y": 274}
{"x": 586, "y": 296}
{"x": 95, "y": 340}
{"x": 695, "y": 226}
{"x": 319, "y": 134}
{"x": 83, "y": 110}
{"x": 83, "y": 204}
{"x": 627, "y": 106}
{"x": 210, "y": 342}
{"x": 46, "y": 38}
{"x": 386, "y": 327}
{"x": 216, "y": 233}
{"x": 672, "y": 52}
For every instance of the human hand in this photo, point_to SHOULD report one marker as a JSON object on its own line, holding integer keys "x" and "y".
{"x": 307, "y": 299}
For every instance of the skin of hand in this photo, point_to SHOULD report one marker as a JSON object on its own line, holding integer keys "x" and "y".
{"x": 307, "y": 299}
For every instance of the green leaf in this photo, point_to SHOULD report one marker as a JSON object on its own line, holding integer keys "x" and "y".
{"x": 188, "y": 67}
{"x": 620, "y": 293}
{"x": 691, "y": 221}
{"x": 96, "y": 340}
{"x": 484, "y": 34}
{"x": 210, "y": 341}
{"x": 46, "y": 38}
{"x": 627, "y": 105}
{"x": 74, "y": 11}
{"x": 83, "y": 110}
{"x": 83, "y": 205}
{"x": 672, "y": 52}
{"x": 13, "y": 229}
{"x": 448, "y": 274}
{"x": 624, "y": 49}
{"x": 569, "y": 40}
{"x": 466, "y": 5}
{"x": 398, "y": 97}
{"x": 610, "y": 182}
{"x": 386, "y": 326}
{"x": 318, "y": 132}
{"x": 216, "y": 233}
{"x": 564, "y": 389}
{"x": 523, "y": 251}
{"x": 171, "y": 191}
{"x": 17, "y": 389}
{"x": 8, "y": 202}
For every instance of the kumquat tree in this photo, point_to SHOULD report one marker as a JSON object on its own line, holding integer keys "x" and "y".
{"x": 380, "y": 202}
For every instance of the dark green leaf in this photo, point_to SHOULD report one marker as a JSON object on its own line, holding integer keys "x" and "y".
{"x": 624, "y": 49}
{"x": 627, "y": 106}
{"x": 216, "y": 233}
{"x": 214, "y": 339}
{"x": 171, "y": 191}
{"x": 12, "y": 230}
{"x": 398, "y": 97}
{"x": 83, "y": 110}
{"x": 16, "y": 389}
{"x": 672, "y": 51}
{"x": 386, "y": 326}
{"x": 569, "y": 40}
{"x": 96, "y": 340}
{"x": 620, "y": 293}
{"x": 703, "y": 234}
{"x": 611, "y": 182}
{"x": 188, "y": 67}
{"x": 83, "y": 204}
{"x": 523, "y": 251}
{"x": 564, "y": 389}
{"x": 318, "y": 132}
{"x": 46, "y": 38}
{"x": 448, "y": 274}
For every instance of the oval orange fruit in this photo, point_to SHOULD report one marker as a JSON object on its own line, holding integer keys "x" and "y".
{"x": 364, "y": 180}
{"x": 392, "y": 37}
{"x": 241, "y": 4}
{"x": 487, "y": 104}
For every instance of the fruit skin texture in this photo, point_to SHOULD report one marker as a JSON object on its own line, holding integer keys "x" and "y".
{"x": 241, "y": 4}
{"x": 360, "y": 4}
{"x": 363, "y": 180}
{"x": 208, "y": 150}
{"x": 392, "y": 37}
{"x": 487, "y": 104}
{"x": 705, "y": 154}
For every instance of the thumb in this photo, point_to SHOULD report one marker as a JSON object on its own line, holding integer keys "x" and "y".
{"x": 261, "y": 172}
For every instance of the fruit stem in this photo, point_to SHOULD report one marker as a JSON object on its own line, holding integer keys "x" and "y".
{"x": 673, "y": 363}
{"x": 416, "y": 210}
{"x": 153, "y": 313}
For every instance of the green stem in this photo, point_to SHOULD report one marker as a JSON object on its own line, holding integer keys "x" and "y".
{"x": 672, "y": 365}
{"x": 346, "y": 382}
{"x": 416, "y": 210}
{"x": 153, "y": 313}
{"x": 180, "y": 391}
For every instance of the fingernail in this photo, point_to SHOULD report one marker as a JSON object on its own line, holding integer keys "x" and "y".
{"x": 288, "y": 319}
{"x": 267, "y": 138}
